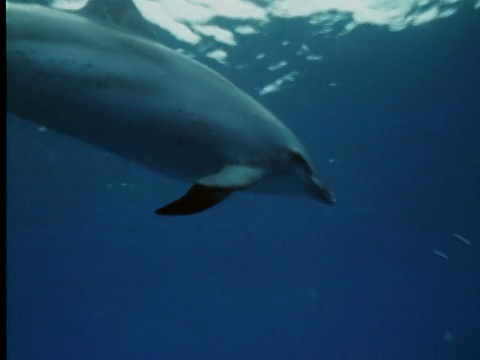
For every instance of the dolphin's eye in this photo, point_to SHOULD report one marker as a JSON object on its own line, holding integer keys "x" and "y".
{"x": 300, "y": 160}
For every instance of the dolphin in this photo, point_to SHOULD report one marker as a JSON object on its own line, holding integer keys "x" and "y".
{"x": 119, "y": 91}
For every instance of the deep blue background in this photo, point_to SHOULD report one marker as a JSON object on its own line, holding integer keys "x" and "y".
{"x": 92, "y": 273}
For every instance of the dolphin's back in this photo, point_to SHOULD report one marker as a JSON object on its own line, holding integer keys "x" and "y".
{"x": 95, "y": 72}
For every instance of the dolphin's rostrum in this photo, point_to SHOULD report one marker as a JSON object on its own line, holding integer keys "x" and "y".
{"x": 92, "y": 80}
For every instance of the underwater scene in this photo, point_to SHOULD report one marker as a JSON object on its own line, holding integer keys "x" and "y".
{"x": 243, "y": 179}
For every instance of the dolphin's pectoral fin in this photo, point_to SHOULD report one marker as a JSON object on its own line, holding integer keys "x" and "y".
{"x": 212, "y": 189}
{"x": 197, "y": 199}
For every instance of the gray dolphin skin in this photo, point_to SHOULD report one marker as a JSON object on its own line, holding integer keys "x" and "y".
{"x": 107, "y": 86}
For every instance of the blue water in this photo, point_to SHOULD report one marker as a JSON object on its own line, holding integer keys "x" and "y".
{"x": 92, "y": 273}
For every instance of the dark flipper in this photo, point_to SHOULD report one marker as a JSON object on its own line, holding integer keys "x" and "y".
{"x": 212, "y": 189}
{"x": 197, "y": 199}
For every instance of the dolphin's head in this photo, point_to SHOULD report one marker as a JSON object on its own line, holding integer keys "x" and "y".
{"x": 293, "y": 173}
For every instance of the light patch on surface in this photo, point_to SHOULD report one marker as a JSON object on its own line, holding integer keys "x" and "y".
{"x": 219, "y": 34}
{"x": 41, "y": 129}
{"x": 218, "y": 55}
{"x": 477, "y": 5}
{"x": 69, "y": 4}
{"x": 371, "y": 12}
{"x": 184, "y": 19}
{"x": 173, "y": 16}
{"x": 395, "y": 14}
{"x": 179, "y": 17}
{"x": 328, "y": 23}
{"x": 245, "y": 30}
{"x": 185, "y": 52}
{"x": 319, "y": 19}
{"x": 260, "y": 56}
{"x": 426, "y": 16}
{"x": 314, "y": 57}
{"x": 285, "y": 43}
{"x": 303, "y": 50}
{"x": 277, "y": 84}
{"x": 278, "y": 65}
{"x": 446, "y": 13}
{"x": 233, "y": 9}
{"x": 349, "y": 27}
{"x": 441, "y": 254}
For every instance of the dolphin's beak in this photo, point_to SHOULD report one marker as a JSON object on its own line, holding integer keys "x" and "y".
{"x": 321, "y": 193}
